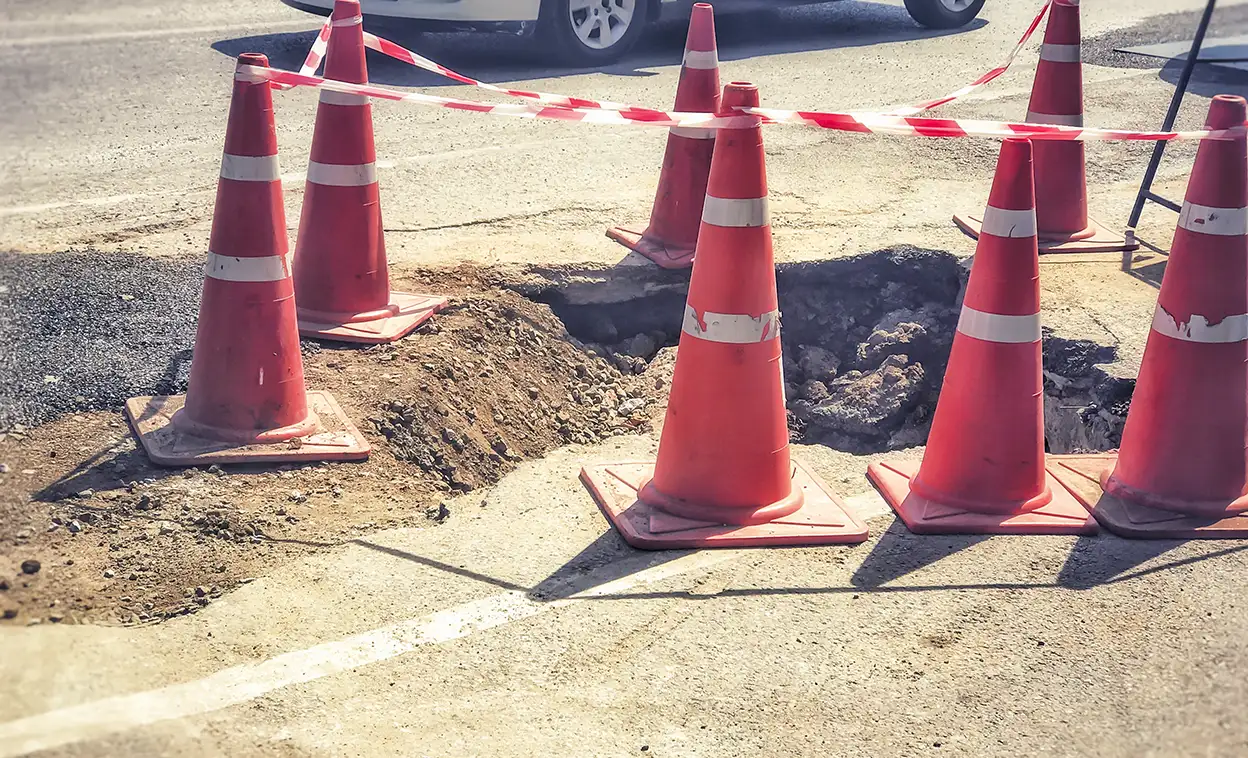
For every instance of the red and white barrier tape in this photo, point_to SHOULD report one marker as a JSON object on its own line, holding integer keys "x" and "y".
{"x": 910, "y": 110}
{"x": 876, "y": 123}
{"x": 316, "y": 53}
{"x": 400, "y": 53}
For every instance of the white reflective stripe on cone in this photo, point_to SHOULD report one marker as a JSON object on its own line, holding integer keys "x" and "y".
{"x": 1205, "y": 219}
{"x": 1055, "y": 53}
{"x": 1198, "y": 329}
{"x": 342, "y": 98}
{"x": 736, "y": 212}
{"x": 701, "y": 59}
{"x": 334, "y": 175}
{"x": 353, "y": 21}
{"x": 732, "y": 328}
{"x": 693, "y": 132}
{"x": 228, "y": 268}
{"x": 1003, "y": 222}
{"x": 1057, "y": 119}
{"x": 996, "y": 327}
{"x": 250, "y": 78}
{"x": 250, "y": 168}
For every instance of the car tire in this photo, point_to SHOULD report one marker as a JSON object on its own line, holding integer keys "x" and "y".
{"x": 570, "y": 30}
{"x": 943, "y": 14}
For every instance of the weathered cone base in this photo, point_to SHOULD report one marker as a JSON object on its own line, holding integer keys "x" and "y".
{"x": 1063, "y": 515}
{"x": 405, "y": 313}
{"x": 822, "y": 520}
{"x": 337, "y": 439}
{"x": 662, "y": 254}
{"x": 1095, "y": 239}
{"x": 1082, "y": 475}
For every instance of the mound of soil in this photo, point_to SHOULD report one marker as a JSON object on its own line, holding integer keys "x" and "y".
{"x": 91, "y": 531}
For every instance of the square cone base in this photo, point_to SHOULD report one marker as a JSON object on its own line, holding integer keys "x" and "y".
{"x": 413, "y": 310}
{"x": 150, "y": 417}
{"x": 1082, "y": 475}
{"x": 663, "y": 255}
{"x": 822, "y": 520}
{"x": 1064, "y": 515}
{"x": 1102, "y": 240}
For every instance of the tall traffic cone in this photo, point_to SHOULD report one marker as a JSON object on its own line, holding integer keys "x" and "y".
{"x": 984, "y": 470}
{"x": 672, "y": 235}
{"x": 1062, "y": 219}
{"x": 341, "y": 277}
{"x": 246, "y": 400}
{"x": 723, "y": 475}
{"x": 1181, "y": 470}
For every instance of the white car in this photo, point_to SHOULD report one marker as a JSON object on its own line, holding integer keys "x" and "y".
{"x": 589, "y": 32}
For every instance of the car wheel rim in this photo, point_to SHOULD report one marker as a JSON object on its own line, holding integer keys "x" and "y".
{"x": 599, "y": 24}
{"x": 957, "y": 6}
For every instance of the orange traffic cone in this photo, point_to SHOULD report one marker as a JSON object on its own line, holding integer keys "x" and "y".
{"x": 723, "y": 475}
{"x": 246, "y": 400}
{"x": 983, "y": 471}
{"x": 1181, "y": 470}
{"x": 341, "y": 276}
{"x": 1062, "y": 219}
{"x": 672, "y": 235}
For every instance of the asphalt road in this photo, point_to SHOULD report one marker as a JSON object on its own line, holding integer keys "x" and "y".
{"x": 115, "y": 117}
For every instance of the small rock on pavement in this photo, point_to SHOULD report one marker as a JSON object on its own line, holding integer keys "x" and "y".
{"x": 10, "y": 613}
{"x": 201, "y": 591}
{"x": 297, "y": 496}
{"x": 31, "y": 566}
{"x": 4, "y": 585}
{"x": 438, "y": 513}
{"x": 4, "y": 468}
{"x": 109, "y": 573}
{"x": 74, "y": 527}
{"x": 85, "y": 494}
{"x": 23, "y": 534}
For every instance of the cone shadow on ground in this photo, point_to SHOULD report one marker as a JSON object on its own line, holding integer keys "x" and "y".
{"x": 1093, "y": 561}
{"x": 1098, "y": 560}
{"x": 604, "y": 560}
{"x": 507, "y": 58}
{"x": 899, "y": 552}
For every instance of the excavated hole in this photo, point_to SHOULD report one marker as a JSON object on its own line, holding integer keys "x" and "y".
{"x": 865, "y": 339}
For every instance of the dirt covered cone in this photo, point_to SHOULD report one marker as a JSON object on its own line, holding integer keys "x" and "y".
{"x": 246, "y": 400}
{"x": 1062, "y": 221}
{"x": 1181, "y": 470}
{"x": 723, "y": 475}
{"x": 672, "y": 235}
{"x": 983, "y": 471}
{"x": 342, "y": 280}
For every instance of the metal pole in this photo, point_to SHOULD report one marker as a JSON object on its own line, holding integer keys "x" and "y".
{"x": 1175, "y": 101}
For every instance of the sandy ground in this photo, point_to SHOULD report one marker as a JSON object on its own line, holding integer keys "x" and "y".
{"x": 520, "y": 624}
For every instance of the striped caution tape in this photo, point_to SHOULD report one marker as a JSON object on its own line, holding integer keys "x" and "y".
{"x": 910, "y": 110}
{"x": 692, "y": 59}
{"x": 871, "y": 123}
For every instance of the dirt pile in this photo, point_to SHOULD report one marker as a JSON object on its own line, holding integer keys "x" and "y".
{"x": 504, "y": 381}
{"x": 490, "y": 382}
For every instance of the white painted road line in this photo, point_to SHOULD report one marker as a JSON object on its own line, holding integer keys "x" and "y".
{"x": 248, "y": 681}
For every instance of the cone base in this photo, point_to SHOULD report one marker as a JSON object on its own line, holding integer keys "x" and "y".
{"x": 405, "y": 312}
{"x": 1095, "y": 239}
{"x": 822, "y": 520}
{"x": 1081, "y": 474}
{"x": 661, "y": 253}
{"x": 1063, "y": 515}
{"x": 151, "y": 419}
